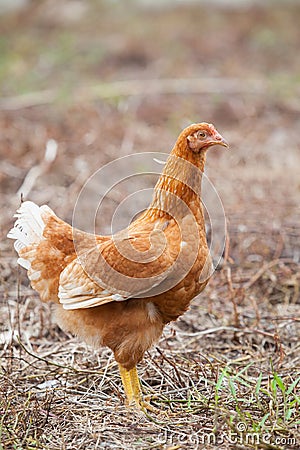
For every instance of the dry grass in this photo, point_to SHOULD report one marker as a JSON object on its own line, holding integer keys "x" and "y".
{"x": 217, "y": 377}
{"x": 227, "y": 374}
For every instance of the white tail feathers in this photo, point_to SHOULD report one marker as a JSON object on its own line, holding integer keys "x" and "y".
{"x": 28, "y": 228}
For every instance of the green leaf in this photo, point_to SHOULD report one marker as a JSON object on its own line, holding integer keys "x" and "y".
{"x": 273, "y": 386}
{"x": 232, "y": 388}
{"x": 292, "y": 386}
{"x": 263, "y": 420}
{"x": 220, "y": 380}
{"x": 280, "y": 382}
{"x": 289, "y": 413}
{"x": 258, "y": 384}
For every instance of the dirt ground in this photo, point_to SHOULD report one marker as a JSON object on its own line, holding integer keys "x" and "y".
{"x": 105, "y": 80}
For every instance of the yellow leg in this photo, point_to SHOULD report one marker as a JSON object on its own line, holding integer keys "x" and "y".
{"x": 132, "y": 388}
{"x": 131, "y": 384}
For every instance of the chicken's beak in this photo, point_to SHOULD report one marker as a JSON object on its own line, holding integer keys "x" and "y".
{"x": 219, "y": 140}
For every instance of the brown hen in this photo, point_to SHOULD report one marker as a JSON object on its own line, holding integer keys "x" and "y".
{"x": 120, "y": 291}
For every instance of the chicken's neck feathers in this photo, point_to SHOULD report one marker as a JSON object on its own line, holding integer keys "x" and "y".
{"x": 178, "y": 190}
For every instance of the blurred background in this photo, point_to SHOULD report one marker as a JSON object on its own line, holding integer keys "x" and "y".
{"x": 92, "y": 81}
{"x": 109, "y": 78}
{"x": 95, "y": 80}
{"x": 85, "y": 82}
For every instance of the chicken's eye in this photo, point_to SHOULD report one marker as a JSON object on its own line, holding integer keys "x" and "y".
{"x": 202, "y": 134}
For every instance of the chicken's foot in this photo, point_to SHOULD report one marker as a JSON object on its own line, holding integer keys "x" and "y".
{"x": 132, "y": 388}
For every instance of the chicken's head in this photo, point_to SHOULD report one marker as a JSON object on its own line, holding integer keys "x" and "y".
{"x": 201, "y": 136}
